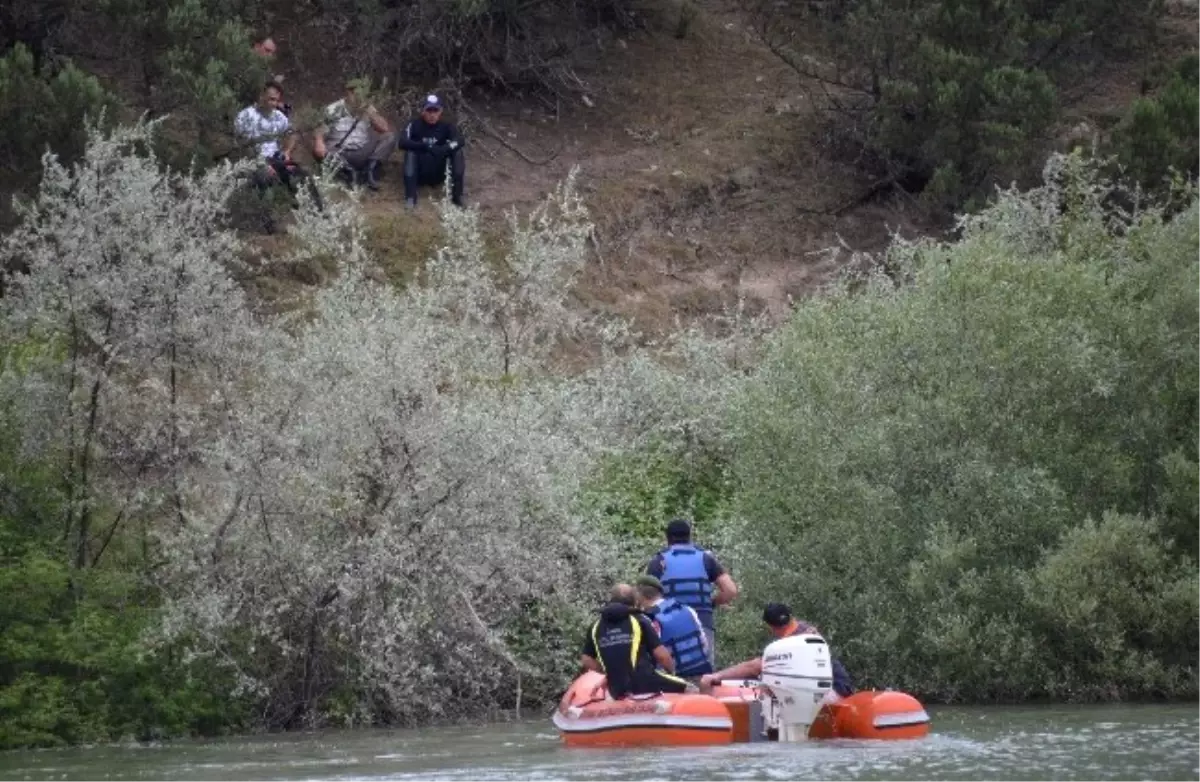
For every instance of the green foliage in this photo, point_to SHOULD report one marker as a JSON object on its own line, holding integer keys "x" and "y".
{"x": 44, "y": 109}
{"x": 74, "y": 665}
{"x": 196, "y": 63}
{"x": 951, "y": 97}
{"x": 636, "y": 494}
{"x": 1161, "y": 132}
{"x": 908, "y": 452}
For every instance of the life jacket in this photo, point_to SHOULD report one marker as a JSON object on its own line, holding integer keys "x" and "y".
{"x": 683, "y": 634}
{"x": 842, "y": 684}
{"x": 685, "y": 579}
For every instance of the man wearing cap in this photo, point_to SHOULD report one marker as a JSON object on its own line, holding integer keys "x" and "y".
{"x": 778, "y": 618}
{"x": 356, "y": 134}
{"x": 678, "y": 626}
{"x": 688, "y": 575}
{"x": 624, "y": 646}
{"x": 432, "y": 146}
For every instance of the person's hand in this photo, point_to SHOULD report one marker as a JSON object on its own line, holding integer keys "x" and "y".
{"x": 709, "y": 680}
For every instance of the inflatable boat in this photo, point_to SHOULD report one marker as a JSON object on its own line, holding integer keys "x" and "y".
{"x": 792, "y": 702}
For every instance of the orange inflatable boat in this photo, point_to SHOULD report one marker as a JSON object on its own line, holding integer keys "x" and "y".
{"x": 793, "y": 702}
{"x": 587, "y": 717}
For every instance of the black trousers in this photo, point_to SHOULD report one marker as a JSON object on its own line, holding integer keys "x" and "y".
{"x": 429, "y": 168}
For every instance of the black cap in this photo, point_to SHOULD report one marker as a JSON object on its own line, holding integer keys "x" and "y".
{"x": 679, "y": 529}
{"x": 777, "y": 614}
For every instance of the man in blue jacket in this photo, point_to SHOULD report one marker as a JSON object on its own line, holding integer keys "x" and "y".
{"x": 688, "y": 575}
{"x": 678, "y": 627}
{"x": 432, "y": 147}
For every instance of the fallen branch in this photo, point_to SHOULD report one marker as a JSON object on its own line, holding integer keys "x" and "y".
{"x": 495, "y": 134}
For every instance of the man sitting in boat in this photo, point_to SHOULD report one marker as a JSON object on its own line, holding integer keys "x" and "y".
{"x": 678, "y": 627}
{"x": 688, "y": 575}
{"x": 624, "y": 646}
{"x": 782, "y": 624}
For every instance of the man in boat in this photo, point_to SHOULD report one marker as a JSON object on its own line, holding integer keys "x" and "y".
{"x": 779, "y": 620}
{"x": 678, "y": 627}
{"x": 624, "y": 646}
{"x": 688, "y": 574}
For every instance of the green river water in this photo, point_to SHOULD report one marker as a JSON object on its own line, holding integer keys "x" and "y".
{"x": 1042, "y": 742}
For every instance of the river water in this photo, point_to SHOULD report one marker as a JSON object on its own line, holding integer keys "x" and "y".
{"x": 1043, "y": 742}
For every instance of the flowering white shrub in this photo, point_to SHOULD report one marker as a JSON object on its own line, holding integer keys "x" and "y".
{"x": 368, "y": 513}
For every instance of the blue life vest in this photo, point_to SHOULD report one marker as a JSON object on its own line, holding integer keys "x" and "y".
{"x": 841, "y": 677}
{"x": 685, "y": 579}
{"x": 684, "y": 636}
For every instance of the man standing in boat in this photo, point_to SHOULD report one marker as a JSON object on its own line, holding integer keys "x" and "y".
{"x": 624, "y": 646}
{"x": 778, "y": 618}
{"x": 688, "y": 575}
{"x": 678, "y": 627}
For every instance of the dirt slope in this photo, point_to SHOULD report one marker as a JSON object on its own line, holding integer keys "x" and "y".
{"x": 699, "y": 163}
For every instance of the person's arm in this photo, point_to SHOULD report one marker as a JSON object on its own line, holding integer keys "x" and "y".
{"x": 407, "y": 142}
{"x": 378, "y": 123}
{"x": 655, "y": 566}
{"x": 650, "y": 637}
{"x": 750, "y": 669}
{"x": 589, "y": 663}
{"x": 727, "y": 590}
{"x": 319, "y": 149}
{"x": 663, "y": 657}
{"x": 243, "y": 125}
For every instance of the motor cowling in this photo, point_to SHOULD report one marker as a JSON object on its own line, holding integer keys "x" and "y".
{"x": 797, "y": 675}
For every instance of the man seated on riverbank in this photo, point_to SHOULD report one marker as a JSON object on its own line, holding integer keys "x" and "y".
{"x": 432, "y": 147}
{"x": 356, "y": 135}
{"x": 678, "y": 626}
{"x": 266, "y": 127}
{"x": 778, "y": 618}
{"x": 624, "y": 646}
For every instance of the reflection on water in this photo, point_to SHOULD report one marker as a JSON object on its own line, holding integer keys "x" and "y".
{"x": 1108, "y": 742}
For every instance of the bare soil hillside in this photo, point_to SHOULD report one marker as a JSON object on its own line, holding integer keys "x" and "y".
{"x": 700, "y": 160}
{"x": 703, "y": 163}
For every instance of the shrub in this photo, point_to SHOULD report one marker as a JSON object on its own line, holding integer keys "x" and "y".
{"x": 355, "y": 515}
{"x": 44, "y": 109}
{"x": 907, "y": 451}
{"x": 947, "y": 97}
{"x": 1160, "y": 132}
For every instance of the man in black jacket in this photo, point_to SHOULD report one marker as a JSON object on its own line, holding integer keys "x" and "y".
{"x": 431, "y": 146}
{"x": 624, "y": 645}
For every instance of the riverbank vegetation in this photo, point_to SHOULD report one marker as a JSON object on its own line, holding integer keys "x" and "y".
{"x": 973, "y": 462}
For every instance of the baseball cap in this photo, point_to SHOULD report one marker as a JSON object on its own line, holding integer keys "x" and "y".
{"x": 777, "y": 614}
{"x": 432, "y": 102}
{"x": 679, "y": 529}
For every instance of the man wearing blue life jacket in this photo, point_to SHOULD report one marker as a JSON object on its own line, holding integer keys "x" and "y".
{"x": 688, "y": 575}
{"x": 678, "y": 627}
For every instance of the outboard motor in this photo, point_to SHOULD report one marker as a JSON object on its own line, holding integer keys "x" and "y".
{"x": 797, "y": 674}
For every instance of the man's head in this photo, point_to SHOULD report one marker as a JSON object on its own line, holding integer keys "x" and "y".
{"x": 266, "y": 47}
{"x": 624, "y": 594}
{"x": 431, "y": 110}
{"x": 649, "y": 590}
{"x": 356, "y": 91}
{"x": 679, "y": 531}
{"x": 271, "y": 97}
{"x": 778, "y": 618}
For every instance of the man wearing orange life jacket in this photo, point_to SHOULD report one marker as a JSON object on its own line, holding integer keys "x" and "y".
{"x": 778, "y": 618}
